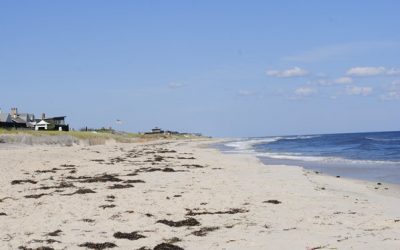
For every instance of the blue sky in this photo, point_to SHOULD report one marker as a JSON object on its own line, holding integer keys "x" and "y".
{"x": 222, "y": 68}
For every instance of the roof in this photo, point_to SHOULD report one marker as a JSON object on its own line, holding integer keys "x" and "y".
{"x": 42, "y": 122}
{"x": 18, "y": 120}
{"x": 25, "y": 116}
{"x": 4, "y": 117}
{"x": 55, "y": 118}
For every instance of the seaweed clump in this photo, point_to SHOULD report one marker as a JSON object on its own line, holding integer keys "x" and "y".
{"x": 183, "y": 223}
{"x": 129, "y": 236}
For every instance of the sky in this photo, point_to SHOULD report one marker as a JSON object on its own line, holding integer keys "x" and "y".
{"x": 221, "y": 68}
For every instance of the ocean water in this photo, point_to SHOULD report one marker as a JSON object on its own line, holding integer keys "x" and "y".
{"x": 371, "y": 156}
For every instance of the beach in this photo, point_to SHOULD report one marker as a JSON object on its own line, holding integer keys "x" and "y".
{"x": 184, "y": 194}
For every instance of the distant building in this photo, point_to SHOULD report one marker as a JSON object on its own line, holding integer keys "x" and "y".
{"x": 5, "y": 117}
{"x": 42, "y": 125}
{"x": 159, "y": 131}
{"x": 53, "y": 123}
{"x": 11, "y": 120}
{"x": 155, "y": 130}
{"x": 28, "y": 121}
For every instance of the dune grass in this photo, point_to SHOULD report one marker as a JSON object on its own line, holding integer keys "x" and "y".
{"x": 75, "y": 137}
{"x": 92, "y": 138}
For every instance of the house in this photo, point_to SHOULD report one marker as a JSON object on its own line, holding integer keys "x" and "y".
{"x": 22, "y": 119}
{"x": 53, "y": 123}
{"x": 42, "y": 125}
{"x": 155, "y": 130}
{"x": 5, "y": 117}
{"x": 7, "y": 120}
{"x": 28, "y": 121}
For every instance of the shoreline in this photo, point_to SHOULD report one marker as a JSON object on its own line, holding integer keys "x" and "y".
{"x": 393, "y": 189}
{"x": 370, "y": 172}
{"x": 187, "y": 194}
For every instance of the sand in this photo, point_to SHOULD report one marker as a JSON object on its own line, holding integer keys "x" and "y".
{"x": 183, "y": 195}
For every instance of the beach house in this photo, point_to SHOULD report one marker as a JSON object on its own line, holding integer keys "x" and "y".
{"x": 5, "y": 117}
{"x": 14, "y": 119}
{"x": 10, "y": 120}
{"x": 51, "y": 123}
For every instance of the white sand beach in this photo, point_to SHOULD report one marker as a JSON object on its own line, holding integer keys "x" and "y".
{"x": 184, "y": 194}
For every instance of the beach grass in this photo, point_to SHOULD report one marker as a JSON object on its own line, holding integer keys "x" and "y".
{"x": 70, "y": 137}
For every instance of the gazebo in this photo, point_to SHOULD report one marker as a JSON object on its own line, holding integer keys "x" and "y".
{"x": 42, "y": 125}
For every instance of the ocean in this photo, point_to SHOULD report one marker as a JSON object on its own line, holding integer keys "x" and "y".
{"x": 373, "y": 156}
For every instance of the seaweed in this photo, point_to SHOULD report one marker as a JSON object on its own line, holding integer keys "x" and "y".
{"x": 162, "y": 151}
{"x": 55, "y": 233}
{"x": 167, "y": 246}
{"x": 158, "y": 158}
{"x": 183, "y": 223}
{"x": 203, "y": 231}
{"x": 82, "y": 191}
{"x": 88, "y": 220}
{"x": 272, "y": 202}
{"x": 168, "y": 170}
{"x": 134, "y": 181}
{"x": 98, "y": 246}
{"x": 119, "y": 186}
{"x": 102, "y": 178}
{"x": 107, "y": 206}
{"x": 98, "y": 160}
{"x": 35, "y": 196}
{"x": 61, "y": 185}
{"x": 67, "y": 166}
{"x": 193, "y": 166}
{"x": 230, "y": 211}
{"x": 129, "y": 236}
{"x": 15, "y": 182}
{"x": 39, "y": 248}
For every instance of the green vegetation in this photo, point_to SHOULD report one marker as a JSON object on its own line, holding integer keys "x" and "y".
{"x": 81, "y": 135}
{"x": 96, "y": 137}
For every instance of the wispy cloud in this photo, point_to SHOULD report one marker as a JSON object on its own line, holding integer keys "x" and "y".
{"x": 175, "y": 85}
{"x": 326, "y": 81}
{"x": 357, "y": 90}
{"x": 293, "y": 72}
{"x": 391, "y": 95}
{"x": 372, "y": 71}
{"x": 393, "y": 71}
{"x": 305, "y": 91}
{"x": 343, "y": 80}
{"x": 337, "y": 50}
{"x": 323, "y": 81}
{"x": 393, "y": 92}
{"x": 246, "y": 93}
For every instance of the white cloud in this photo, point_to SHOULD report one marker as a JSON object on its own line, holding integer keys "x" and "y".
{"x": 305, "y": 91}
{"x": 393, "y": 71}
{"x": 393, "y": 92}
{"x": 391, "y": 95}
{"x": 372, "y": 71}
{"x": 344, "y": 80}
{"x": 356, "y": 90}
{"x": 321, "y": 81}
{"x": 293, "y": 72}
{"x": 365, "y": 71}
{"x": 246, "y": 93}
{"x": 175, "y": 85}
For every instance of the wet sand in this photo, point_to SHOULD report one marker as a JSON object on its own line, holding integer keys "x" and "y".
{"x": 184, "y": 195}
